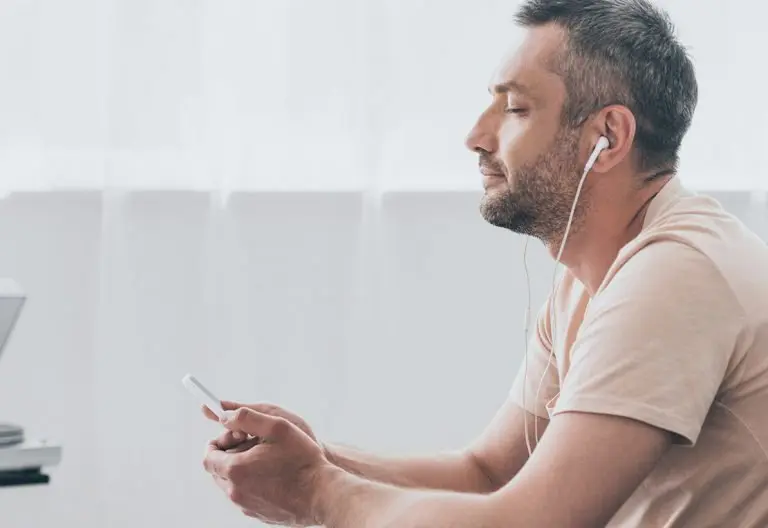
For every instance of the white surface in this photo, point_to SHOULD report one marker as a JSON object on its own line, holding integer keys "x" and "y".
{"x": 394, "y": 326}
{"x": 11, "y": 289}
{"x": 308, "y": 94}
{"x": 30, "y": 454}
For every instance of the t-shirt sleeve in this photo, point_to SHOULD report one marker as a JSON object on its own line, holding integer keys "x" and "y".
{"x": 538, "y": 367}
{"x": 655, "y": 342}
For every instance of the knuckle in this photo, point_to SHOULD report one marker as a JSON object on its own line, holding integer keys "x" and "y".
{"x": 237, "y": 473}
{"x": 263, "y": 408}
{"x": 241, "y": 414}
{"x": 270, "y": 408}
{"x": 235, "y": 495}
{"x": 280, "y": 427}
{"x": 226, "y": 471}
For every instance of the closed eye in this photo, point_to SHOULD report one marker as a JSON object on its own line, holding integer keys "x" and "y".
{"x": 513, "y": 106}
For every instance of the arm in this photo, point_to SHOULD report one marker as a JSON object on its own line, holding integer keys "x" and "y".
{"x": 580, "y": 475}
{"x": 448, "y": 471}
{"x": 483, "y": 467}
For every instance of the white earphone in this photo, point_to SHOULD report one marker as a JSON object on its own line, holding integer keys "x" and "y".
{"x": 602, "y": 144}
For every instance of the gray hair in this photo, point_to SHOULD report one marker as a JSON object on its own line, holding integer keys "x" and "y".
{"x": 623, "y": 52}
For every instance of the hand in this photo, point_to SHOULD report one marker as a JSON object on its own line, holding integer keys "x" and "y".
{"x": 274, "y": 479}
{"x": 264, "y": 408}
{"x": 235, "y": 441}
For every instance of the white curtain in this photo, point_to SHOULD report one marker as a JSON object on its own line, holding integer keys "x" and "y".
{"x": 275, "y": 196}
{"x": 310, "y": 94}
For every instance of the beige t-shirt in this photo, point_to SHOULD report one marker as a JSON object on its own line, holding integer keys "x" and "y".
{"x": 676, "y": 336}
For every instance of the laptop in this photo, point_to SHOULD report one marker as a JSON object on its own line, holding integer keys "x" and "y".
{"x": 21, "y": 460}
{"x": 12, "y": 300}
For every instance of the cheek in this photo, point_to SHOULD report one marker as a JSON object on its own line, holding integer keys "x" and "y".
{"x": 516, "y": 144}
{"x": 524, "y": 140}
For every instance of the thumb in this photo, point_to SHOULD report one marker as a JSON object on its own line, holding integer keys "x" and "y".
{"x": 254, "y": 423}
{"x": 226, "y": 405}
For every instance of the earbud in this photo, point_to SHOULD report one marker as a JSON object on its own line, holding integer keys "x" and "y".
{"x": 602, "y": 144}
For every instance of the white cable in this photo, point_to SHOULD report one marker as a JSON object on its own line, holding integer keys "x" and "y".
{"x": 525, "y": 335}
{"x": 601, "y": 144}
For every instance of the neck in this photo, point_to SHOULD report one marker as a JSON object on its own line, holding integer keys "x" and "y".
{"x": 591, "y": 251}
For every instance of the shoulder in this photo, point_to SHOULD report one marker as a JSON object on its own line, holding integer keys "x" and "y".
{"x": 666, "y": 293}
{"x": 660, "y": 269}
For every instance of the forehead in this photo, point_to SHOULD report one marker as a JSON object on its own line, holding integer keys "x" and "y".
{"x": 530, "y": 62}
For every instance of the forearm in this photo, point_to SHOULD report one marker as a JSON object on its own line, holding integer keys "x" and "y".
{"x": 450, "y": 471}
{"x": 347, "y": 501}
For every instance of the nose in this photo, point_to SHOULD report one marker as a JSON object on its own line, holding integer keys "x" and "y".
{"x": 482, "y": 137}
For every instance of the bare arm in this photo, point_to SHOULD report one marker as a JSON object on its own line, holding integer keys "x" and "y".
{"x": 585, "y": 468}
{"x": 483, "y": 467}
{"x": 582, "y": 473}
{"x": 453, "y": 471}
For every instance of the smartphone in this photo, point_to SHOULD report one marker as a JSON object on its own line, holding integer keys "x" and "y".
{"x": 203, "y": 395}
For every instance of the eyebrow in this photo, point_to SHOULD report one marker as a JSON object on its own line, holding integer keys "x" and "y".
{"x": 510, "y": 86}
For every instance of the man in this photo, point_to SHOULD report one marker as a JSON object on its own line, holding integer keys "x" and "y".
{"x": 647, "y": 375}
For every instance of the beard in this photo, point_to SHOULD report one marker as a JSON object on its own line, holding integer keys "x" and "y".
{"x": 543, "y": 194}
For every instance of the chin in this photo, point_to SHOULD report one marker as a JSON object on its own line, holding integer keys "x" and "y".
{"x": 498, "y": 209}
{"x": 492, "y": 209}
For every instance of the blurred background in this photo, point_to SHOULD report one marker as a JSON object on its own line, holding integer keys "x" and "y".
{"x": 275, "y": 196}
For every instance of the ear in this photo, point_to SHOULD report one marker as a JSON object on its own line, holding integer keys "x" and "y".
{"x": 618, "y": 124}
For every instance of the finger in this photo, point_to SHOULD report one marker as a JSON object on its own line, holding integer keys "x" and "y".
{"x": 220, "y": 463}
{"x": 240, "y": 436}
{"x": 257, "y": 424}
{"x": 262, "y": 407}
{"x": 228, "y": 440}
{"x": 230, "y": 490}
{"x": 209, "y": 414}
{"x": 274, "y": 410}
{"x": 227, "y": 405}
{"x": 245, "y": 446}
{"x": 222, "y": 483}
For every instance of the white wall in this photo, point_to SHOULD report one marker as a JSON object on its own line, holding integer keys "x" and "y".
{"x": 393, "y": 326}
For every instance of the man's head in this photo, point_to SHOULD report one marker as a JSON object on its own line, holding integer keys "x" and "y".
{"x": 586, "y": 68}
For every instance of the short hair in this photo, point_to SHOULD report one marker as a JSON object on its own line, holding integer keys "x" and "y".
{"x": 623, "y": 52}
